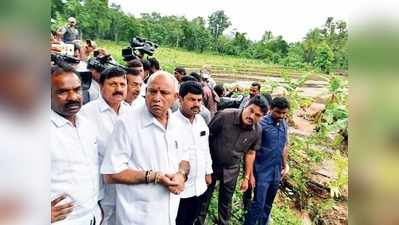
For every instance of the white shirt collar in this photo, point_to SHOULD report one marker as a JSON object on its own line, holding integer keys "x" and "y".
{"x": 185, "y": 119}
{"x": 149, "y": 119}
{"x": 103, "y": 105}
{"x": 60, "y": 121}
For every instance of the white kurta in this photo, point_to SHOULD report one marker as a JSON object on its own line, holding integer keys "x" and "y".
{"x": 140, "y": 142}
{"x": 139, "y": 101}
{"x": 74, "y": 167}
{"x": 94, "y": 90}
{"x": 196, "y": 143}
{"x": 104, "y": 118}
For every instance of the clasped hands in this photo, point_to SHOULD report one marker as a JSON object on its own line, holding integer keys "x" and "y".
{"x": 173, "y": 182}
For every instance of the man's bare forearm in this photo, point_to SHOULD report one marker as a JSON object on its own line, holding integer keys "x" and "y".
{"x": 249, "y": 163}
{"x": 285, "y": 155}
{"x": 127, "y": 176}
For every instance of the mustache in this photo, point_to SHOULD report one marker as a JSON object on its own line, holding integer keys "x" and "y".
{"x": 73, "y": 103}
{"x": 195, "y": 108}
{"x": 117, "y": 93}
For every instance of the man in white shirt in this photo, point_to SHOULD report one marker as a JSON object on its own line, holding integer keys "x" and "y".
{"x": 145, "y": 158}
{"x": 94, "y": 90}
{"x": 138, "y": 65}
{"x": 74, "y": 165}
{"x": 103, "y": 112}
{"x": 134, "y": 84}
{"x": 195, "y": 141}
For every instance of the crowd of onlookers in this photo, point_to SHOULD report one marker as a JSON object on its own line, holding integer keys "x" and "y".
{"x": 143, "y": 146}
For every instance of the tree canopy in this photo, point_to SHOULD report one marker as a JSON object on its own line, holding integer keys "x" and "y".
{"x": 324, "y": 48}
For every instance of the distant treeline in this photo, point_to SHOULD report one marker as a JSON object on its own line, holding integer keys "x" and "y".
{"x": 323, "y": 48}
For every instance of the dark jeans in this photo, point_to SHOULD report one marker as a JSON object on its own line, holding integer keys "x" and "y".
{"x": 247, "y": 198}
{"x": 228, "y": 179}
{"x": 189, "y": 209}
{"x": 259, "y": 211}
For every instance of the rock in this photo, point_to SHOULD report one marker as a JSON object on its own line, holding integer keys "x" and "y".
{"x": 323, "y": 99}
{"x": 302, "y": 127}
{"x": 314, "y": 110}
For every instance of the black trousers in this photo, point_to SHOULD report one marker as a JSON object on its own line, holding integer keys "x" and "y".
{"x": 228, "y": 180}
{"x": 189, "y": 210}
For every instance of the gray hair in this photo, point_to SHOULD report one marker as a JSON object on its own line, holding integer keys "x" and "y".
{"x": 165, "y": 74}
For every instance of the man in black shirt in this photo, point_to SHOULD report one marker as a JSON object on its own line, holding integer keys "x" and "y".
{"x": 233, "y": 134}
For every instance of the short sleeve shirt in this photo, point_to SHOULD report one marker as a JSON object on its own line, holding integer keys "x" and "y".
{"x": 140, "y": 142}
{"x": 229, "y": 140}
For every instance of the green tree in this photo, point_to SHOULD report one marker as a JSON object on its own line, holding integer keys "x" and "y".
{"x": 119, "y": 21}
{"x": 240, "y": 43}
{"x": 278, "y": 45}
{"x": 312, "y": 40}
{"x": 295, "y": 56}
{"x": 57, "y": 6}
{"x": 324, "y": 58}
{"x": 260, "y": 51}
{"x": 267, "y": 36}
{"x": 218, "y": 22}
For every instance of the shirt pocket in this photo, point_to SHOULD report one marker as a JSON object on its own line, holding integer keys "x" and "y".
{"x": 243, "y": 143}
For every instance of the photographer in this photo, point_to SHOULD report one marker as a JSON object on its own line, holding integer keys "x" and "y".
{"x": 87, "y": 50}
{"x": 96, "y": 65}
{"x": 154, "y": 65}
{"x": 70, "y": 35}
{"x": 139, "y": 47}
{"x": 94, "y": 91}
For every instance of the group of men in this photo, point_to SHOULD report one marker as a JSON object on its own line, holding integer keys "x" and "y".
{"x": 150, "y": 149}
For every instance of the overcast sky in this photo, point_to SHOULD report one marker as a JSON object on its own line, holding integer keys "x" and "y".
{"x": 290, "y": 18}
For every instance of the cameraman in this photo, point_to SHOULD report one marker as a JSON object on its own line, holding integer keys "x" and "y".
{"x": 94, "y": 90}
{"x": 87, "y": 50}
{"x": 70, "y": 35}
{"x": 154, "y": 65}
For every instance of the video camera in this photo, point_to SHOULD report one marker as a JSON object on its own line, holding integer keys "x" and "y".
{"x": 59, "y": 58}
{"x": 138, "y": 48}
{"x": 85, "y": 74}
{"x": 100, "y": 63}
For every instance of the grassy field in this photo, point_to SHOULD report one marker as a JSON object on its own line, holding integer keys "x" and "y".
{"x": 232, "y": 66}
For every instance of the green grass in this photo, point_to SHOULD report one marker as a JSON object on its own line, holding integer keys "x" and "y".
{"x": 281, "y": 213}
{"x": 169, "y": 58}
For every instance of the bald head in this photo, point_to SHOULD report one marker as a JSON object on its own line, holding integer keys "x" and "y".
{"x": 161, "y": 93}
{"x": 167, "y": 76}
{"x": 71, "y": 21}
